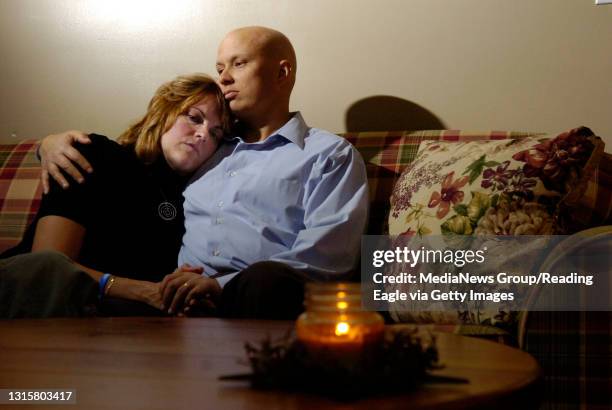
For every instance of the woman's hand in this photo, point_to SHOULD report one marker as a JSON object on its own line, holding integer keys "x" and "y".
{"x": 56, "y": 151}
{"x": 186, "y": 289}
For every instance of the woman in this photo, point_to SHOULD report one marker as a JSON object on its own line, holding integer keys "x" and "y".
{"x": 126, "y": 220}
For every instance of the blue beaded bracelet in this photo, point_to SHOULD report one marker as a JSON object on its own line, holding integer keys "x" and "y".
{"x": 103, "y": 281}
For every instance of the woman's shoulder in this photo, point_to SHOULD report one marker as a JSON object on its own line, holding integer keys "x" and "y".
{"x": 99, "y": 144}
{"x": 105, "y": 151}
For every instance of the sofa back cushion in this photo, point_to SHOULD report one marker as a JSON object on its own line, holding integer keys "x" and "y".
{"x": 386, "y": 155}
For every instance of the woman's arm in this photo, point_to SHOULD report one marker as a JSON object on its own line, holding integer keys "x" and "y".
{"x": 66, "y": 236}
{"x": 131, "y": 289}
{"x": 59, "y": 234}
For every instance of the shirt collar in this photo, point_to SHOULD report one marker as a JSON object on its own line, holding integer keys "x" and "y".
{"x": 294, "y": 130}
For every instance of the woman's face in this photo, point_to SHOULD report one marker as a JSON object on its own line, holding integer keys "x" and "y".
{"x": 193, "y": 137}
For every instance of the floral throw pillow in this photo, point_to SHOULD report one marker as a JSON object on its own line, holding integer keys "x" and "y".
{"x": 502, "y": 187}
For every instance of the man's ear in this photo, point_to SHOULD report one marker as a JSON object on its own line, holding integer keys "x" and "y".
{"x": 285, "y": 69}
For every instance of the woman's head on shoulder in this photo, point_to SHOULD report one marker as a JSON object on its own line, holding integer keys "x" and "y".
{"x": 185, "y": 121}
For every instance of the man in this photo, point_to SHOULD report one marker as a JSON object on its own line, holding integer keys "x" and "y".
{"x": 276, "y": 206}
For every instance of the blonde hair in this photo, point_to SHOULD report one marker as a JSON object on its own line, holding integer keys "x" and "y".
{"x": 169, "y": 101}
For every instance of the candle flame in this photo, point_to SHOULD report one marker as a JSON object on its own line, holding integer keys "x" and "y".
{"x": 342, "y": 328}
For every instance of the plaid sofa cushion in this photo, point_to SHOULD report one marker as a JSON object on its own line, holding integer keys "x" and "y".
{"x": 20, "y": 190}
{"x": 574, "y": 350}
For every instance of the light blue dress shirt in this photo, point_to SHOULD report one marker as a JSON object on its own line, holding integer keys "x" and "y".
{"x": 299, "y": 197}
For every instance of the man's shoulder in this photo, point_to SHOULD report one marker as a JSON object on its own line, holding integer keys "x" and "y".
{"x": 314, "y": 139}
{"x": 317, "y": 138}
{"x": 328, "y": 147}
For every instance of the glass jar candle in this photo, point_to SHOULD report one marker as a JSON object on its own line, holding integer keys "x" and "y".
{"x": 334, "y": 320}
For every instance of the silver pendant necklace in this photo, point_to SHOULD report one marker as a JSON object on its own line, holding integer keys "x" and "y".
{"x": 166, "y": 210}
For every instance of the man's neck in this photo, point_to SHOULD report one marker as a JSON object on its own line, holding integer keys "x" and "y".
{"x": 260, "y": 130}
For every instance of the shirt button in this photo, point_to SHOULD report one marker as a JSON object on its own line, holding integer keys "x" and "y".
{"x": 220, "y": 204}
{"x": 232, "y": 174}
{"x": 219, "y": 221}
{"x": 216, "y": 253}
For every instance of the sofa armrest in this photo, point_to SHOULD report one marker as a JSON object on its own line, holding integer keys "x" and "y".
{"x": 20, "y": 190}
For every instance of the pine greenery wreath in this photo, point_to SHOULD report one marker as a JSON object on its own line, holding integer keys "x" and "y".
{"x": 400, "y": 363}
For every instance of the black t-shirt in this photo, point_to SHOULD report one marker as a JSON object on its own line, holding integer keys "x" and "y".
{"x": 131, "y": 230}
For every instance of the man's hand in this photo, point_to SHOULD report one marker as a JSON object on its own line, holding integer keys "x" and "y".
{"x": 56, "y": 151}
{"x": 186, "y": 289}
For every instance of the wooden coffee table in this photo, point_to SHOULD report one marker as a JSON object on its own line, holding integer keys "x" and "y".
{"x": 174, "y": 363}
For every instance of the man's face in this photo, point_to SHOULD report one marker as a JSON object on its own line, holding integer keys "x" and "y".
{"x": 246, "y": 77}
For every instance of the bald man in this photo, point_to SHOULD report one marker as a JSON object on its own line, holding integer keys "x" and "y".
{"x": 279, "y": 203}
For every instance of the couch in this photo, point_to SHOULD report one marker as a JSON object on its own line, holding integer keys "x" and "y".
{"x": 573, "y": 348}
